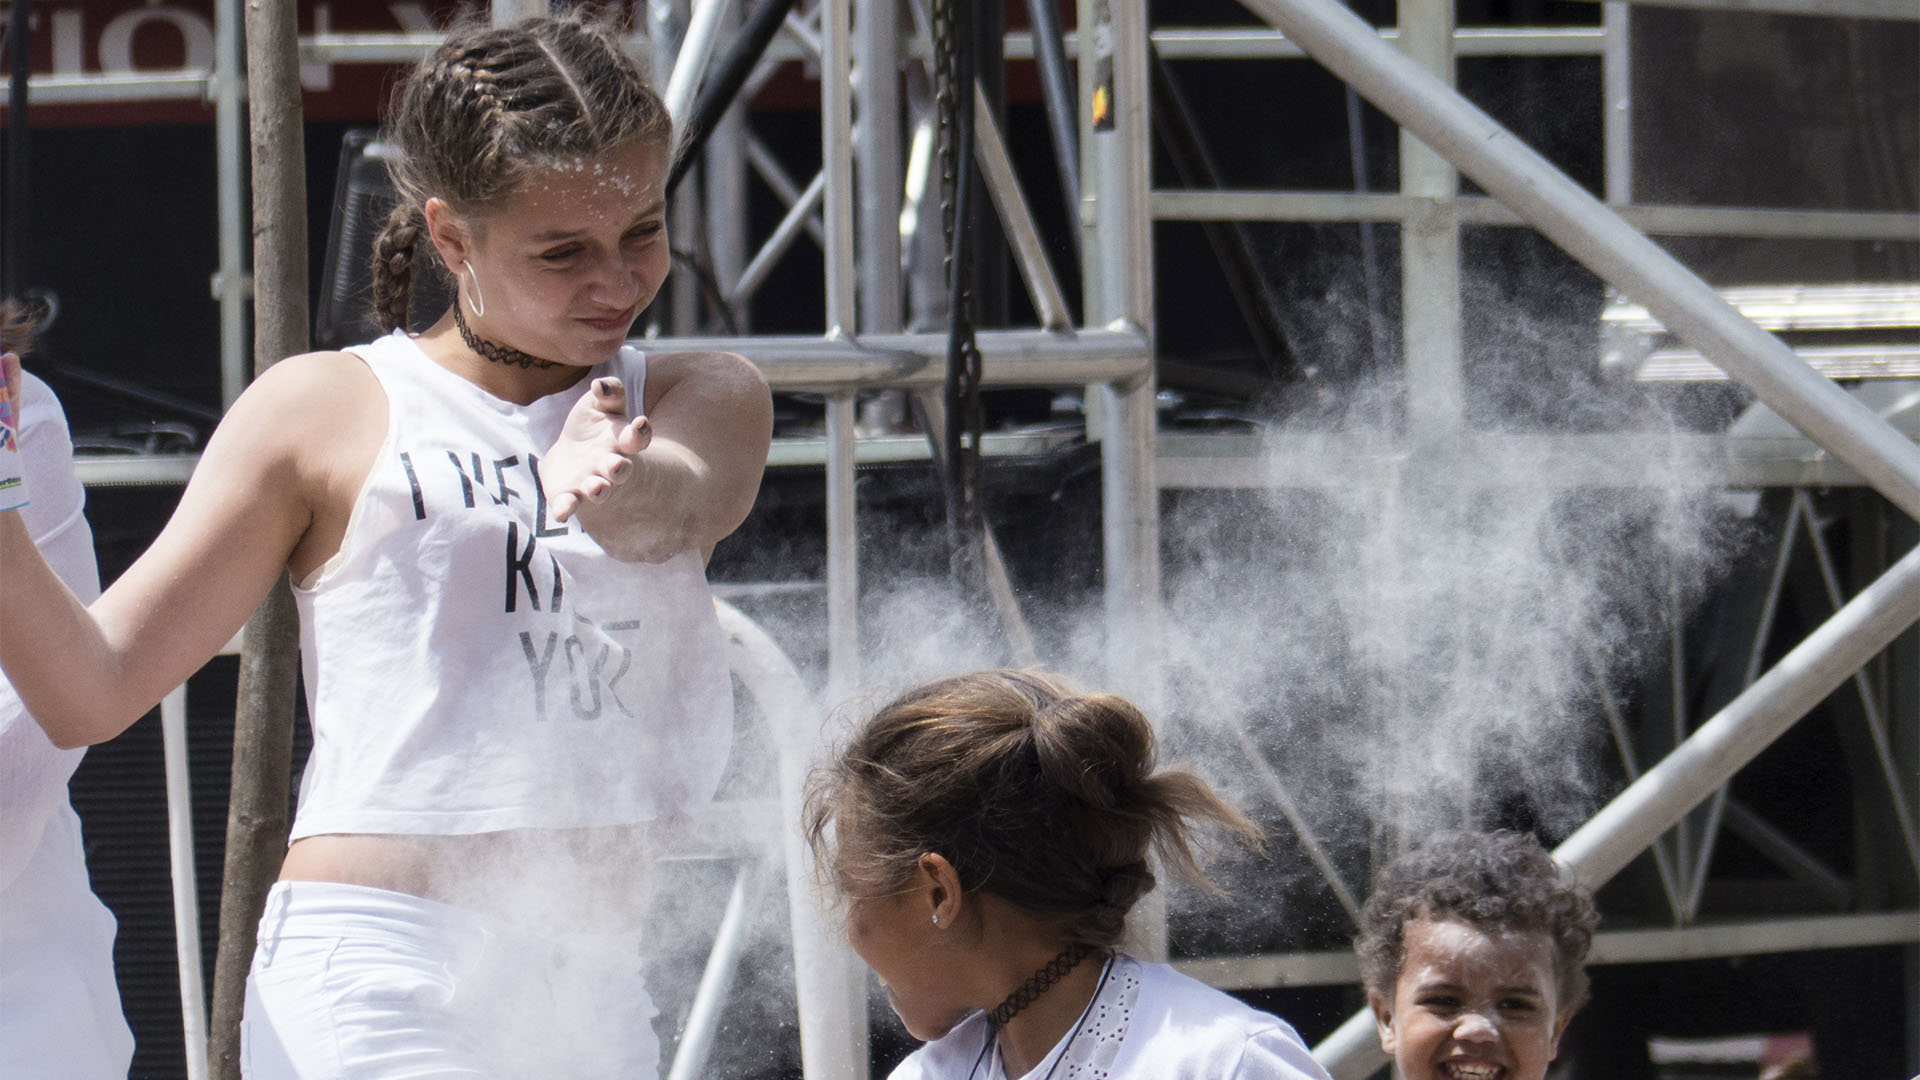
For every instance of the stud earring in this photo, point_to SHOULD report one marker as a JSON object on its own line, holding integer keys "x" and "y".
{"x": 936, "y": 920}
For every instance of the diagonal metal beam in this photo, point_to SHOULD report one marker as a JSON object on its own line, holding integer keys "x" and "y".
{"x": 1277, "y": 791}
{"x": 774, "y": 175}
{"x": 1708, "y": 759}
{"x": 1563, "y": 211}
{"x": 990, "y": 151}
{"x": 798, "y": 216}
{"x": 1630, "y": 764}
{"x": 1869, "y": 703}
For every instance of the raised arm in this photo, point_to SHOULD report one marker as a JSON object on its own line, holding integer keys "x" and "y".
{"x": 87, "y": 673}
{"x": 697, "y": 466}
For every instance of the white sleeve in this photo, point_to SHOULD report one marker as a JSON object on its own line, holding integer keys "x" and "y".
{"x": 909, "y": 1069}
{"x": 1276, "y": 1053}
{"x": 34, "y": 772}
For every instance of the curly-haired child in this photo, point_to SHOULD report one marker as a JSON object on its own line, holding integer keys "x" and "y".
{"x": 1472, "y": 950}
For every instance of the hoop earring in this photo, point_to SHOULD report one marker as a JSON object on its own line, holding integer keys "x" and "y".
{"x": 478, "y": 303}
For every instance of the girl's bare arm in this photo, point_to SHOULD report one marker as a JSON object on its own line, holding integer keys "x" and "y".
{"x": 87, "y": 673}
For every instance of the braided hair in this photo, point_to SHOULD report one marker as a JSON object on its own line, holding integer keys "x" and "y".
{"x": 1043, "y": 797}
{"x": 489, "y": 107}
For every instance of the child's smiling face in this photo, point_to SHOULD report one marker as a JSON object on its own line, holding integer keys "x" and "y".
{"x": 1472, "y": 1005}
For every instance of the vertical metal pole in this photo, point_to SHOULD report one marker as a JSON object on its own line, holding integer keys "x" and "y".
{"x": 231, "y": 285}
{"x": 186, "y": 896}
{"x": 1117, "y": 272}
{"x": 691, "y": 47}
{"x": 269, "y": 659}
{"x": 725, "y": 167}
{"x": 1050, "y": 53}
{"x": 836, "y": 133}
{"x": 877, "y": 136}
{"x": 20, "y": 65}
{"x": 1617, "y": 107}
{"x": 1430, "y": 244}
{"x": 836, "y": 157}
{"x": 843, "y": 652}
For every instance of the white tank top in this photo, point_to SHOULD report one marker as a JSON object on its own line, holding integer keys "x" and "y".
{"x": 472, "y": 665}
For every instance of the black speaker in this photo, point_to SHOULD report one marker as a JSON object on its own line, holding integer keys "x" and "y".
{"x": 362, "y": 198}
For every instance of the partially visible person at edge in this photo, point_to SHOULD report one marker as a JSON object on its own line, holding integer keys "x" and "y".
{"x": 496, "y": 529}
{"x": 989, "y": 833}
{"x": 60, "y": 1013}
{"x": 1473, "y": 951}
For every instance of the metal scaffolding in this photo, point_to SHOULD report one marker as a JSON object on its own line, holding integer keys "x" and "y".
{"x": 852, "y": 209}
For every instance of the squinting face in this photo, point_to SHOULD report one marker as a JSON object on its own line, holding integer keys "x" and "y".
{"x": 1472, "y": 1005}
{"x": 568, "y": 262}
{"x": 896, "y": 937}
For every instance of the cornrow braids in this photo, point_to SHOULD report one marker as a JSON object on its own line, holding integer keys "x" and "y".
{"x": 492, "y": 106}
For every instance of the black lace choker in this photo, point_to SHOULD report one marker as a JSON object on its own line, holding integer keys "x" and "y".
{"x": 499, "y": 354}
{"x": 1052, "y": 972}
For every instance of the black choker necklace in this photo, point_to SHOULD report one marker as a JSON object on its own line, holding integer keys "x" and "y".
{"x": 1055, "y": 970}
{"x": 1052, "y": 972}
{"x": 499, "y": 354}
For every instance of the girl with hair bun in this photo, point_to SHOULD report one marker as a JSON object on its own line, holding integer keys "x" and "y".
{"x": 989, "y": 833}
{"x": 496, "y": 530}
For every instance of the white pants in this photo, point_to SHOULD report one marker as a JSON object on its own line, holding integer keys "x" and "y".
{"x": 361, "y": 983}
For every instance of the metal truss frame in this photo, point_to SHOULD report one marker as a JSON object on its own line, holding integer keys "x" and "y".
{"x": 851, "y": 209}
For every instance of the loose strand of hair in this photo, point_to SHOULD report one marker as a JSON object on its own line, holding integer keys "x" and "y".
{"x": 19, "y": 325}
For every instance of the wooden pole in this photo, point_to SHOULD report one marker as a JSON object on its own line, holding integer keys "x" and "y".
{"x": 269, "y": 661}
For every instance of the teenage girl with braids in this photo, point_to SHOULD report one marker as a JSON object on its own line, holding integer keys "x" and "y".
{"x": 496, "y": 531}
{"x": 59, "y": 1008}
{"x": 990, "y": 832}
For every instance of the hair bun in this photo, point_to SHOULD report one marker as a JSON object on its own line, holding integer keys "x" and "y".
{"x": 1122, "y": 885}
{"x": 1094, "y": 747}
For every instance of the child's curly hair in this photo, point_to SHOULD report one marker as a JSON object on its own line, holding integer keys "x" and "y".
{"x": 1493, "y": 880}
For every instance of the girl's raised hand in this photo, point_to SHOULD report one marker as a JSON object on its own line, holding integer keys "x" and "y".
{"x": 595, "y": 451}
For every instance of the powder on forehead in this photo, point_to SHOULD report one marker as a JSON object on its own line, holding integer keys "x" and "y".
{"x": 1453, "y": 941}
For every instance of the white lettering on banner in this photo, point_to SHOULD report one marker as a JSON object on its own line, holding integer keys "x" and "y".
{"x": 69, "y": 43}
{"x": 116, "y": 38}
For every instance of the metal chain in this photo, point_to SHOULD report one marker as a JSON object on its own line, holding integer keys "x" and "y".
{"x": 965, "y": 414}
{"x": 944, "y": 76}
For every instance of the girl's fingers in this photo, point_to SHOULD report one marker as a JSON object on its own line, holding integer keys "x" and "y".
{"x": 635, "y": 437}
{"x": 610, "y": 394}
{"x": 563, "y": 506}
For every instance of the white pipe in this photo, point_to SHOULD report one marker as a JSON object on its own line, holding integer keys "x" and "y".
{"x": 710, "y": 998}
{"x": 186, "y": 898}
{"x": 828, "y": 984}
{"x": 232, "y": 287}
{"x": 1583, "y": 226}
{"x": 696, "y": 51}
